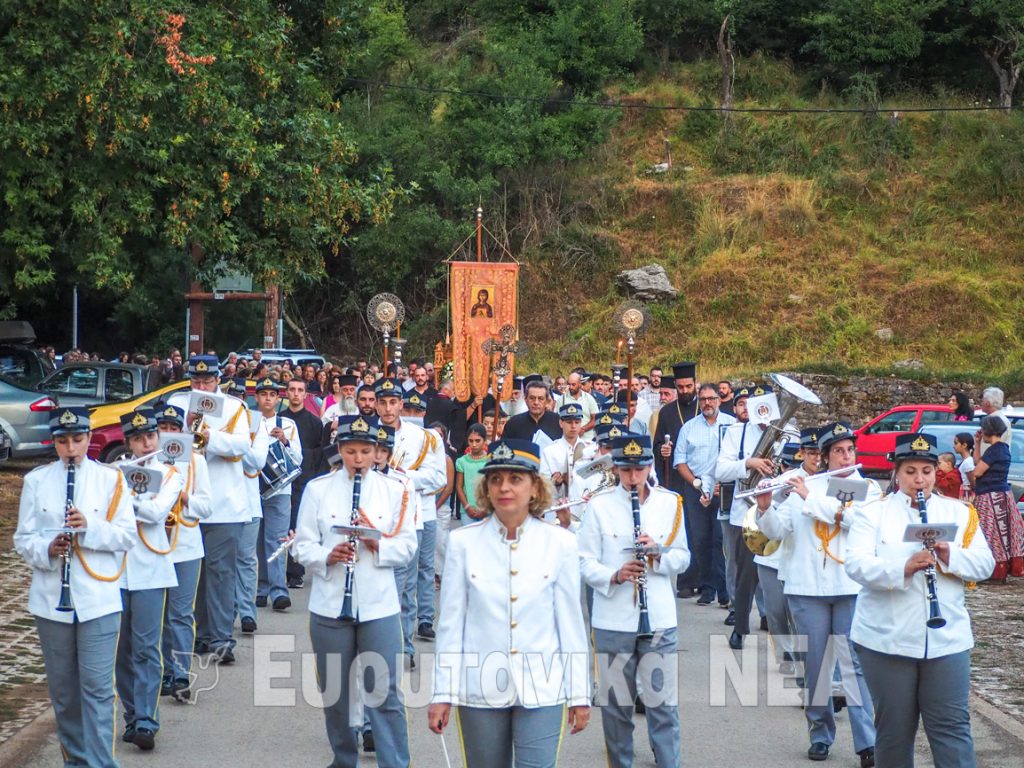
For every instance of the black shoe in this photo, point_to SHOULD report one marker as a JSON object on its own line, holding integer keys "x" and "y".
{"x": 730, "y": 620}
{"x": 282, "y": 603}
{"x": 200, "y": 649}
{"x": 180, "y": 691}
{"x": 261, "y": 601}
{"x": 295, "y": 582}
{"x": 639, "y": 707}
{"x": 145, "y": 739}
{"x": 165, "y": 685}
{"x": 224, "y": 655}
{"x": 248, "y": 625}
{"x": 818, "y": 751}
{"x": 129, "y": 734}
{"x": 764, "y": 624}
{"x": 867, "y": 757}
{"x": 736, "y": 641}
{"x": 425, "y": 632}
{"x": 705, "y": 600}
{"x": 412, "y": 662}
{"x": 838, "y": 703}
{"x": 687, "y": 592}
{"x": 726, "y": 606}
{"x": 368, "y": 743}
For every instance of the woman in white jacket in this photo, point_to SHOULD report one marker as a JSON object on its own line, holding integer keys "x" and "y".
{"x": 511, "y": 646}
{"x": 916, "y": 672}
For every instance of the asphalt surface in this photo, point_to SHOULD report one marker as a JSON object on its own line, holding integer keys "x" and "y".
{"x": 263, "y": 708}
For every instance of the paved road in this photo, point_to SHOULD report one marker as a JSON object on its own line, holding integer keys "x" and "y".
{"x": 234, "y": 724}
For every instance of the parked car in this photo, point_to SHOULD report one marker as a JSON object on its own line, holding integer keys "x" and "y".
{"x": 5, "y": 447}
{"x": 19, "y": 361}
{"x": 25, "y": 419}
{"x": 944, "y": 434}
{"x": 877, "y": 439}
{"x": 94, "y": 383}
{"x": 107, "y": 443}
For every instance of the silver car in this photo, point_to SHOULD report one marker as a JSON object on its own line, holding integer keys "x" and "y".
{"x": 25, "y": 419}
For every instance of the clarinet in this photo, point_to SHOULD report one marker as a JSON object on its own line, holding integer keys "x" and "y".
{"x": 348, "y": 615}
{"x": 64, "y": 604}
{"x": 935, "y": 619}
{"x": 644, "y": 628}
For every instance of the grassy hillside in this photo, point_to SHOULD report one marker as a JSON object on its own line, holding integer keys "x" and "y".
{"x": 793, "y": 238}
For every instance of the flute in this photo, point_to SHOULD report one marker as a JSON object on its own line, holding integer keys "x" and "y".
{"x": 776, "y": 487}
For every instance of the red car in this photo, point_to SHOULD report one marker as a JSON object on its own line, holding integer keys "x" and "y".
{"x": 877, "y": 439}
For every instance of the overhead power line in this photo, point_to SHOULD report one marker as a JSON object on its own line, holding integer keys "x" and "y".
{"x": 672, "y": 107}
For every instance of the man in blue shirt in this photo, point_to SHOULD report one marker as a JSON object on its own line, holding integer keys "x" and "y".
{"x": 695, "y": 456}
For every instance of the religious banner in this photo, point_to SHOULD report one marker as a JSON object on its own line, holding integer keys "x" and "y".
{"x": 484, "y": 298}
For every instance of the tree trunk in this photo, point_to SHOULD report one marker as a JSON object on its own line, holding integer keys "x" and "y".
{"x": 303, "y": 339}
{"x": 1008, "y": 76}
{"x": 728, "y": 64}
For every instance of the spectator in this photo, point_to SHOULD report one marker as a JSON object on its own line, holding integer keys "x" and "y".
{"x": 467, "y": 470}
{"x": 947, "y": 476}
{"x": 963, "y": 444}
{"x": 997, "y": 510}
{"x": 992, "y": 405}
{"x": 961, "y": 406}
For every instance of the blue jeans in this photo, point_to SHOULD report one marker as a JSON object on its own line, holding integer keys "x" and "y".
{"x": 405, "y": 581}
{"x": 425, "y": 575}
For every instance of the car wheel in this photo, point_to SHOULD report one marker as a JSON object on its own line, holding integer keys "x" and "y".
{"x": 115, "y": 453}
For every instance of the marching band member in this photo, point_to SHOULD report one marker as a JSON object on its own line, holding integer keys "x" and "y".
{"x": 819, "y": 593}
{"x": 914, "y": 671}
{"x": 608, "y": 537}
{"x": 357, "y": 575}
{"x": 193, "y": 505}
{"x": 735, "y": 461}
{"x": 246, "y": 561}
{"x": 272, "y": 587}
{"x": 499, "y": 625}
{"x": 227, "y": 440}
{"x": 144, "y": 583}
{"x": 79, "y": 639}
{"x": 419, "y": 454}
{"x": 558, "y": 460}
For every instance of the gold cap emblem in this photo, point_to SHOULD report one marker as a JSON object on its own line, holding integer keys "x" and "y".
{"x": 840, "y": 429}
{"x": 171, "y": 411}
{"x": 502, "y": 453}
{"x": 632, "y": 449}
{"x": 920, "y": 444}
{"x": 381, "y": 434}
{"x": 415, "y": 399}
{"x": 360, "y": 426}
{"x": 605, "y": 419}
{"x": 202, "y": 367}
{"x": 68, "y": 418}
{"x": 758, "y": 391}
{"x": 614, "y": 432}
{"x": 387, "y": 385}
{"x": 614, "y": 409}
{"x": 798, "y": 456}
{"x": 139, "y": 420}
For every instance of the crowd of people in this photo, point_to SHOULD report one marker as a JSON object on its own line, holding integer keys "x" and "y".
{"x": 581, "y": 508}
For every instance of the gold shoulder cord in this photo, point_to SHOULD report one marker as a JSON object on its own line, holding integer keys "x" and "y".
{"x": 827, "y": 533}
{"x": 111, "y": 511}
{"x": 229, "y": 428}
{"x": 189, "y": 482}
{"x": 401, "y": 517}
{"x": 969, "y": 532}
{"x": 428, "y": 445}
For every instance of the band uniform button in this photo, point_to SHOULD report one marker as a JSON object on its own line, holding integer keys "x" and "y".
{"x": 514, "y": 651}
{"x": 513, "y": 598}
{"x": 514, "y": 572}
{"x": 514, "y": 624}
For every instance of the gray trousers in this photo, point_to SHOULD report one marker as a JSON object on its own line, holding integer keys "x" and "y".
{"x": 215, "y": 602}
{"x": 180, "y": 621}
{"x": 140, "y": 664}
{"x": 336, "y": 646}
{"x": 654, "y": 665}
{"x": 79, "y": 659}
{"x": 824, "y": 621}
{"x": 746, "y": 578}
{"x": 775, "y": 611}
{"x": 511, "y": 736}
{"x": 274, "y": 527}
{"x": 425, "y": 572}
{"x": 405, "y": 580}
{"x": 730, "y": 561}
{"x": 246, "y": 570}
{"x": 935, "y": 691}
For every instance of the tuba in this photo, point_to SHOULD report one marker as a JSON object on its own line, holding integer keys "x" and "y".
{"x": 791, "y": 395}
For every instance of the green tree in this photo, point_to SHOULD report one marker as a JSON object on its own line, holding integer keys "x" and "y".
{"x": 127, "y": 130}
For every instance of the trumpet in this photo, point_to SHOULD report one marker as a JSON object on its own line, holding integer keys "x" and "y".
{"x": 784, "y": 489}
{"x": 196, "y": 427}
